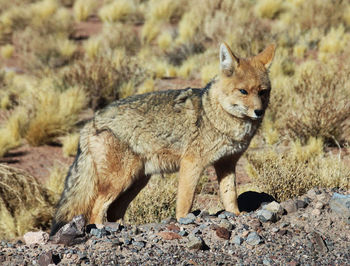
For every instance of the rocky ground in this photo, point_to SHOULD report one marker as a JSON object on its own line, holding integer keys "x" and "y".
{"x": 313, "y": 229}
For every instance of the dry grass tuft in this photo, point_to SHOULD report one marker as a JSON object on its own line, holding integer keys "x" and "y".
{"x": 24, "y": 204}
{"x": 155, "y": 202}
{"x": 83, "y": 9}
{"x": 285, "y": 175}
{"x": 55, "y": 183}
{"x": 54, "y": 113}
{"x": 319, "y": 107}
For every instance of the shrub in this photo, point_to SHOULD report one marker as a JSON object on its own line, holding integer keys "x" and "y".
{"x": 155, "y": 202}
{"x": 291, "y": 173}
{"x": 24, "y": 204}
{"x": 102, "y": 78}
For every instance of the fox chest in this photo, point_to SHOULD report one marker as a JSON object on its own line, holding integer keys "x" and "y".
{"x": 235, "y": 144}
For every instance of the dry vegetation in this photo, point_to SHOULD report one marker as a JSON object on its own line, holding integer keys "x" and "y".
{"x": 63, "y": 74}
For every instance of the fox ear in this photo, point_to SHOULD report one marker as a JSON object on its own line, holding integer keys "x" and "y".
{"x": 228, "y": 61}
{"x": 267, "y": 55}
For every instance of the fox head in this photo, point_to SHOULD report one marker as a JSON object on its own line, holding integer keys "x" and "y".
{"x": 244, "y": 85}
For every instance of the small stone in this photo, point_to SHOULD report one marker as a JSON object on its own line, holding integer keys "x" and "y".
{"x": 289, "y": 205}
{"x": 112, "y": 227}
{"x": 274, "y": 207}
{"x": 169, "y": 235}
{"x": 340, "y": 204}
{"x": 139, "y": 244}
{"x": 274, "y": 229}
{"x": 267, "y": 261}
{"x": 186, "y": 221}
{"x": 226, "y": 224}
{"x": 223, "y": 233}
{"x": 195, "y": 243}
{"x": 319, "y": 242}
{"x": 266, "y": 216}
{"x": 127, "y": 241}
{"x": 319, "y": 205}
{"x": 282, "y": 232}
{"x": 229, "y": 214}
{"x": 98, "y": 232}
{"x": 245, "y": 234}
{"x": 173, "y": 227}
{"x": 197, "y": 230}
{"x": 316, "y": 212}
{"x": 191, "y": 216}
{"x": 285, "y": 224}
{"x": 301, "y": 204}
{"x": 39, "y": 237}
{"x": 222, "y": 216}
{"x": 48, "y": 258}
{"x": 204, "y": 214}
{"x": 237, "y": 240}
{"x": 253, "y": 239}
{"x": 71, "y": 233}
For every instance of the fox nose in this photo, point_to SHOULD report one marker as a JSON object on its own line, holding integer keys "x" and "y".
{"x": 259, "y": 112}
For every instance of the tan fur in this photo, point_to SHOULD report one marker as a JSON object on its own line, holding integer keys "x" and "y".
{"x": 163, "y": 132}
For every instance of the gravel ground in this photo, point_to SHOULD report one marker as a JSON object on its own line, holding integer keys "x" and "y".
{"x": 309, "y": 230}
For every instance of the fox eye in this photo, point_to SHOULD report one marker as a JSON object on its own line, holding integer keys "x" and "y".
{"x": 262, "y": 92}
{"x": 243, "y": 91}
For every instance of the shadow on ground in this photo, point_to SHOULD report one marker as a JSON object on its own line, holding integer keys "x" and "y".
{"x": 251, "y": 200}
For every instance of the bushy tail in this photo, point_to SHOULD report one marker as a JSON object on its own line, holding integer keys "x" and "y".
{"x": 79, "y": 188}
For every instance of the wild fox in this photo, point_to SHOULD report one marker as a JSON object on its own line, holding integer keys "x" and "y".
{"x": 163, "y": 132}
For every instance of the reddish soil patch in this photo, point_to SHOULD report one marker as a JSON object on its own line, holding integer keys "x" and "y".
{"x": 36, "y": 161}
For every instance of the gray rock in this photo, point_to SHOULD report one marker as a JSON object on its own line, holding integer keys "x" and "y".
{"x": 98, "y": 232}
{"x": 237, "y": 240}
{"x": 274, "y": 207}
{"x": 186, "y": 221}
{"x": 301, "y": 204}
{"x": 340, "y": 204}
{"x": 71, "y": 233}
{"x": 48, "y": 258}
{"x": 290, "y": 206}
{"x": 169, "y": 220}
{"x": 195, "y": 242}
{"x": 267, "y": 261}
{"x": 229, "y": 214}
{"x": 222, "y": 216}
{"x": 253, "y": 239}
{"x": 266, "y": 216}
{"x": 139, "y": 244}
{"x": 191, "y": 216}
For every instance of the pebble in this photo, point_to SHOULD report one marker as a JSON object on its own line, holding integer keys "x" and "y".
{"x": 301, "y": 204}
{"x": 316, "y": 212}
{"x": 229, "y": 214}
{"x": 186, "y": 221}
{"x": 340, "y": 204}
{"x": 195, "y": 242}
{"x": 289, "y": 205}
{"x": 140, "y": 244}
{"x": 274, "y": 207}
{"x": 253, "y": 239}
{"x": 237, "y": 240}
{"x": 184, "y": 233}
{"x": 222, "y": 216}
{"x": 226, "y": 224}
{"x": 266, "y": 216}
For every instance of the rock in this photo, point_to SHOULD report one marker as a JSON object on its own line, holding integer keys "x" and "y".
{"x": 98, "y": 232}
{"x": 195, "y": 242}
{"x": 139, "y": 244}
{"x": 71, "y": 233}
{"x": 226, "y": 224}
{"x": 191, "y": 216}
{"x": 39, "y": 237}
{"x": 229, "y": 214}
{"x": 169, "y": 235}
{"x": 223, "y": 233}
{"x": 266, "y": 216}
{"x": 316, "y": 212}
{"x": 340, "y": 204}
{"x": 274, "y": 207}
{"x": 253, "y": 239}
{"x": 289, "y": 205}
{"x": 186, "y": 221}
{"x": 319, "y": 205}
{"x": 237, "y": 240}
{"x": 173, "y": 227}
{"x": 301, "y": 204}
{"x": 318, "y": 242}
{"x": 245, "y": 234}
{"x": 112, "y": 227}
{"x": 48, "y": 258}
{"x": 222, "y": 216}
{"x": 204, "y": 214}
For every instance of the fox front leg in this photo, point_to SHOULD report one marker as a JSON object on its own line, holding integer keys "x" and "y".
{"x": 225, "y": 171}
{"x": 189, "y": 174}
